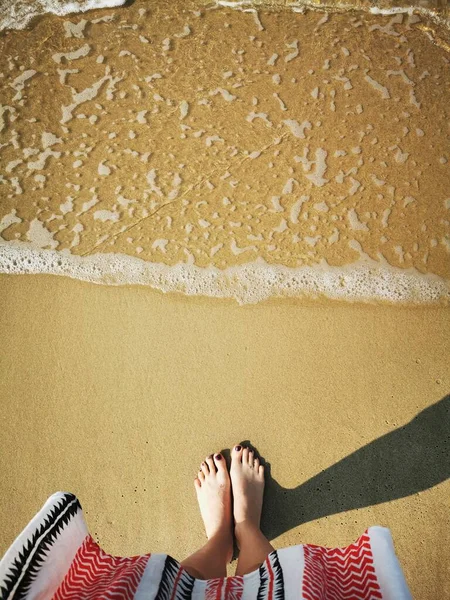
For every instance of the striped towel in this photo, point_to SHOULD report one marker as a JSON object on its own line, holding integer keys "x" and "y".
{"x": 56, "y": 558}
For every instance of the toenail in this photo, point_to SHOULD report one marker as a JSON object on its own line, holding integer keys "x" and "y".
{"x": 237, "y": 448}
{"x": 218, "y": 457}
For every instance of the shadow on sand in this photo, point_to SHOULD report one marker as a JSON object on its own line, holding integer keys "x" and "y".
{"x": 407, "y": 460}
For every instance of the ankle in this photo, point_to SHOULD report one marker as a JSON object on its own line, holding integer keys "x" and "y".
{"x": 221, "y": 542}
{"x": 246, "y": 528}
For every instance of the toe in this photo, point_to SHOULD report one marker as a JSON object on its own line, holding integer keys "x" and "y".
{"x": 251, "y": 458}
{"x": 219, "y": 463}
{"x": 201, "y": 476}
{"x": 236, "y": 454}
{"x": 204, "y": 468}
{"x": 256, "y": 465}
{"x": 261, "y": 471}
{"x": 197, "y": 483}
{"x": 245, "y": 454}
{"x": 212, "y": 467}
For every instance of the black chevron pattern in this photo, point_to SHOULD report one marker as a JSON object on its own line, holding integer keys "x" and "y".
{"x": 278, "y": 584}
{"x": 37, "y": 547}
{"x": 174, "y": 576}
{"x": 271, "y": 586}
{"x": 263, "y": 582}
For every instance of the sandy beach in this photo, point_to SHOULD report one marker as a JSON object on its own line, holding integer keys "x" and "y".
{"x": 165, "y": 143}
{"x": 117, "y": 393}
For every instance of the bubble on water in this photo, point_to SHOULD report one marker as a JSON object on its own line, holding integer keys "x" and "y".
{"x": 249, "y": 283}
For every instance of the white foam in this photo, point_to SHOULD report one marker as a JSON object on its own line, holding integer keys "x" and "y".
{"x": 293, "y": 54}
{"x": 67, "y": 206}
{"x": 367, "y": 281}
{"x": 12, "y": 165}
{"x": 184, "y": 109}
{"x": 12, "y": 115}
{"x": 391, "y": 11}
{"x": 380, "y": 88}
{"x": 103, "y": 169}
{"x": 9, "y": 220}
{"x": 106, "y": 215}
{"x": 75, "y": 29}
{"x": 300, "y": 6}
{"x": 19, "y": 83}
{"x": 79, "y": 53}
{"x": 297, "y": 207}
{"x": 40, "y": 163}
{"x": 17, "y": 14}
{"x": 354, "y": 221}
{"x": 49, "y": 139}
{"x": 40, "y": 235}
{"x": 321, "y": 166}
{"x": 88, "y": 94}
{"x": 276, "y": 204}
{"x": 289, "y": 186}
{"x": 225, "y": 94}
{"x": 297, "y": 129}
{"x": 160, "y": 244}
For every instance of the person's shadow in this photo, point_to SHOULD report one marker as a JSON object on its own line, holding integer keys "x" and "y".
{"x": 409, "y": 459}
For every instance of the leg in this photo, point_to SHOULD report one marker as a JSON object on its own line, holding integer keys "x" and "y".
{"x": 247, "y": 479}
{"x": 210, "y": 561}
{"x": 214, "y": 497}
{"x": 254, "y": 547}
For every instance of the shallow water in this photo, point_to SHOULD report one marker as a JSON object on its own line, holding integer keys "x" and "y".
{"x": 244, "y": 153}
{"x": 18, "y": 14}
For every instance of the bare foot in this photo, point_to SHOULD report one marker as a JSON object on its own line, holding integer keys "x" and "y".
{"x": 247, "y": 480}
{"x": 214, "y": 497}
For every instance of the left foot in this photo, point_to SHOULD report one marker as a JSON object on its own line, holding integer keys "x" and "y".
{"x": 214, "y": 498}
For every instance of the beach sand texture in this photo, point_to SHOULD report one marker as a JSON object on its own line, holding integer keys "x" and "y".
{"x": 246, "y": 156}
{"x": 118, "y": 393}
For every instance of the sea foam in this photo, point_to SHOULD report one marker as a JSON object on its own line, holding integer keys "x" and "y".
{"x": 121, "y": 216}
{"x": 17, "y": 14}
{"x": 249, "y": 283}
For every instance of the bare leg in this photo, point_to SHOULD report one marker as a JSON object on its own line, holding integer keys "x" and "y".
{"x": 247, "y": 480}
{"x": 214, "y": 497}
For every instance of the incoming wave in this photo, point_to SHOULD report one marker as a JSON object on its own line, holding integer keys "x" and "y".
{"x": 292, "y": 154}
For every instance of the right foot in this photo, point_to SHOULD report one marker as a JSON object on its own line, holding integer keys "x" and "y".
{"x": 213, "y": 488}
{"x": 247, "y": 481}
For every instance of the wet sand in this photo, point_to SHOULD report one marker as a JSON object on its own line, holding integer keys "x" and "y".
{"x": 176, "y": 133}
{"x": 117, "y": 393}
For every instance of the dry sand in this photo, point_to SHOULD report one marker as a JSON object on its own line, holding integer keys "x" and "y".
{"x": 117, "y": 393}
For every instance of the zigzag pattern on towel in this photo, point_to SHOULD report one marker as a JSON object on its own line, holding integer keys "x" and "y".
{"x": 271, "y": 580}
{"x": 340, "y": 573}
{"x": 229, "y": 588}
{"x": 36, "y": 549}
{"x": 175, "y": 583}
{"x": 94, "y": 574}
